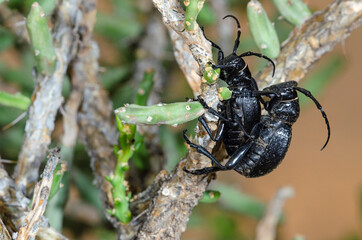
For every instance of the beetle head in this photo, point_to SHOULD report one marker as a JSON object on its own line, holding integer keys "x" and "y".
{"x": 283, "y": 104}
{"x": 236, "y": 72}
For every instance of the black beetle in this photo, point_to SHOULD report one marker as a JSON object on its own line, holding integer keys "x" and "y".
{"x": 270, "y": 138}
{"x": 256, "y": 144}
{"x": 242, "y": 111}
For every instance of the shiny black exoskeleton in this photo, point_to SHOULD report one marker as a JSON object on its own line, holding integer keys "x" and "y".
{"x": 242, "y": 111}
{"x": 270, "y": 138}
{"x": 256, "y": 144}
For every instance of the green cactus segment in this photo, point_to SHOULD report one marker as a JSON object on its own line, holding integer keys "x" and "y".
{"x": 193, "y": 8}
{"x": 144, "y": 88}
{"x": 224, "y": 93}
{"x": 41, "y": 40}
{"x": 16, "y": 100}
{"x": 262, "y": 30}
{"x": 210, "y": 196}
{"x": 172, "y": 114}
{"x": 295, "y": 12}
{"x": 121, "y": 195}
{"x": 210, "y": 74}
{"x": 57, "y": 178}
{"x": 47, "y": 5}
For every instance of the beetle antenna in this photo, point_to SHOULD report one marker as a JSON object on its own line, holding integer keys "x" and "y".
{"x": 220, "y": 53}
{"x": 237, "y": 41}
{"x": 309, "y": 94}
{"x": 248, "y": 53}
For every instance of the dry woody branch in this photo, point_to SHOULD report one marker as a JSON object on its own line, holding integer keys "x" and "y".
{"x": 311, "y": 40}
{"x": 40, "y": 198}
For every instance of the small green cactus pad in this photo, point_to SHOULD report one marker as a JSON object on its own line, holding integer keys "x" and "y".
{"x": 193, "y": 8}
{"x": 295, "y": 12}
{"x": 262, "y": 30}
{"x": 172, "y": 114}
{"x": 210, "y": 74}
{"x": 41, "y": 40}
{"x": 224, "y": 93}
{"x": 210, "y": 196}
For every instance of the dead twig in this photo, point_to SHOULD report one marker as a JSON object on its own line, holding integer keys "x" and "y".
{"x": 4, "y": 233}
{"x": 266, "y": 229}
{"x": 33, "y": 219}
{"x": 14, "y": 209}
{"x": 13, "y": 203}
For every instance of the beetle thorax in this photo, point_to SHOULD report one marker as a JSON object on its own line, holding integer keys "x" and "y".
{"x": 286, "y": 111}
{"x": 238, "y": 74}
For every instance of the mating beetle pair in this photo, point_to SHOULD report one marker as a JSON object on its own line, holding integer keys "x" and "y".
{"x": 255, "y": 143}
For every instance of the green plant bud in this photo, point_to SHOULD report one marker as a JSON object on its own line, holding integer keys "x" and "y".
{"x": 210, "y": 196}
{"x": 294, "y": 11}
{"x": 193, "y": 7}
{"x": 224, "y": 93}
{"x": 210, "y": 74}
{"x": 262, "y": 30}
{"x": 47, "y": 5}
{"x": 41, "y": 40}
{"x": 145, "y": 87}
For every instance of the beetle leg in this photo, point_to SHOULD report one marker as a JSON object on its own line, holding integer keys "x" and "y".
{"x": 254, "y": 84}
{"x": 220, "y": 106}
{"x": 231, "y": 164}
{"x": 210, "y": 109}
{"x": 203, "y": 171}
{"x": 220, "y": 128}
{"x": 273, "y": 97}
{"x": 267, "y": 93}
{"x": 202, "y": 150}
{"x": 238, "y": 121}
{"x": 206, "y": 127}
{"x": 238, "y": 155}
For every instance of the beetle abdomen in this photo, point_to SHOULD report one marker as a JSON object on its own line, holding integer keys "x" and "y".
{"x": 233, "y": 139}
{"x": 268, "y": 150}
